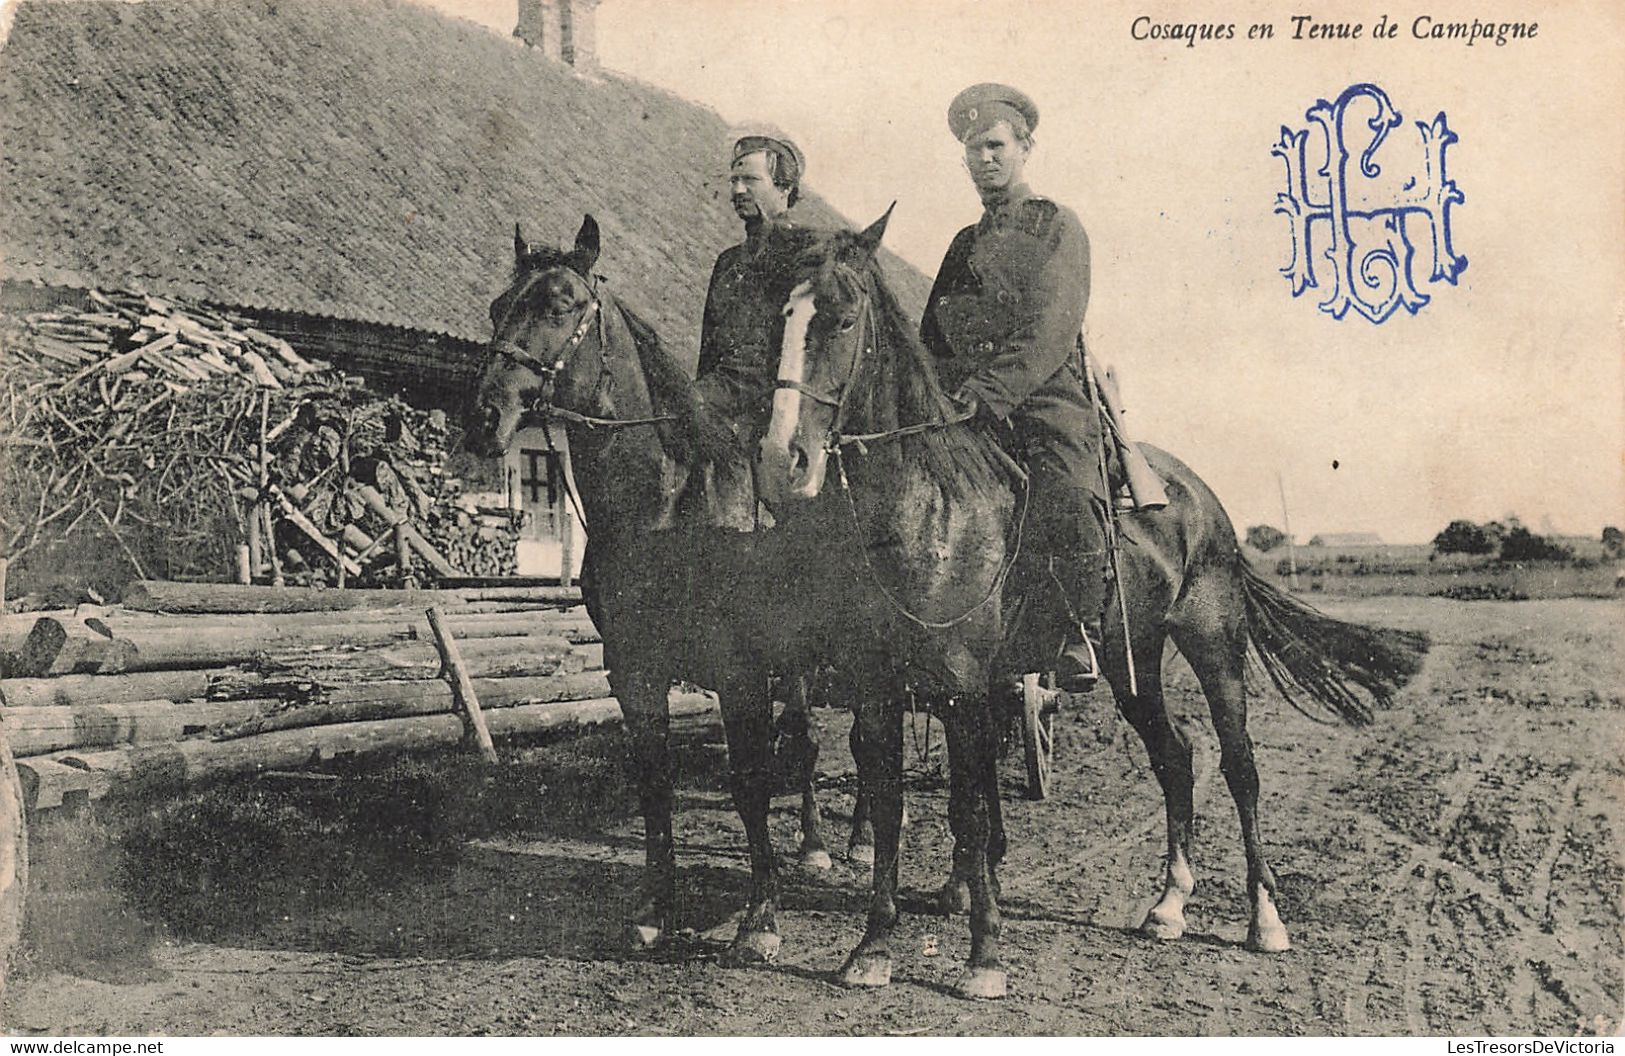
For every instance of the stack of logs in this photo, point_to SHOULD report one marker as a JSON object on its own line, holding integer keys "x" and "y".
{"x": 185, "y": 443}
{"x": 185, "y": 682}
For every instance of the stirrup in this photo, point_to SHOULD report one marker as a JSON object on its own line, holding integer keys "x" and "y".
{"x": 1079, "y": 679}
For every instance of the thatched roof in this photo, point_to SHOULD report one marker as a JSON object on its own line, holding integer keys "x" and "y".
{"x": 360, "y": 159}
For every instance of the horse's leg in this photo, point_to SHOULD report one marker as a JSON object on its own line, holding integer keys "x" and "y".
{"x": 1217, "y": 653}
{"x": 797, "y": 725}
{"x": 861, "y": 847}
{"x": 747, "y": 719}
{"x": 879, "y": 751}
{"x": 644, "y": 704}
{"x": 973, "y": 814}
{"x": 1170, "y": 753}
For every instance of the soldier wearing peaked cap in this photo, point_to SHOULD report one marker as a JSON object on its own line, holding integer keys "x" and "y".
{"x": 1003, "y": 321}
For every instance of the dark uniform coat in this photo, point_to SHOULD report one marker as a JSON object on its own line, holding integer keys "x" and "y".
{"x": 737, "y": 365}
{"x": 1003, "y": 321}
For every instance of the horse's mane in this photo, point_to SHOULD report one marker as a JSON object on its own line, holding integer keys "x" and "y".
{"x": 902, "y": 387}
{"x": 671, "y": 391}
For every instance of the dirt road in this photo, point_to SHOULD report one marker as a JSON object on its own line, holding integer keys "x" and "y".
{"x": 1455, "y": 868}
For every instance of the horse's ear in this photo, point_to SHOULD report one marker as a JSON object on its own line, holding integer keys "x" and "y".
{"x": 585, "y": 255}
{"x": 520, "y": 249}
{"x": 870, "y": 236}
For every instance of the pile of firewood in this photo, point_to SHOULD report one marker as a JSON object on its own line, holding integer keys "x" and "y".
{"x": 158, "y": 438}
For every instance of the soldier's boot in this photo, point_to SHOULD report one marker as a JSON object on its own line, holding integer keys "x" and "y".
{"x": 1080, "y": 569}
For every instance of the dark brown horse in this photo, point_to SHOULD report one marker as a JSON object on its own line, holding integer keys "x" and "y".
{"x": 673, "y": 596}
{"x": 932, "y": 512}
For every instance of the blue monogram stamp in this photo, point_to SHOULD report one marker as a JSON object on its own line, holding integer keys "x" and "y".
{"x": 1359, "y": 227}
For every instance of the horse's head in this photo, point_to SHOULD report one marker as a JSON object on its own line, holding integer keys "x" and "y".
{"x": 546, "y": 341}
{"x": 829, "y": 337}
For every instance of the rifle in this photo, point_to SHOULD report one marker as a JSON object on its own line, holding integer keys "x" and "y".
{"x": 1144, "y": 486}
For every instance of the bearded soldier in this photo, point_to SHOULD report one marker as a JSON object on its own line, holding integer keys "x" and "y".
{"x": 1004, "y": 322}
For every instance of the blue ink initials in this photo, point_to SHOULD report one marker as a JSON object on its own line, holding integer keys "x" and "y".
{"x": 1376, "y": 221}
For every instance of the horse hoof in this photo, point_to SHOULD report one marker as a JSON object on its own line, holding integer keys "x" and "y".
{"x": 1164, "y": 928}
{"x": 816, "y": 861}
{"x": 861, "y": 853}
{"x": 1268, "y": 939}
{"x": 983, "y": 984}
{"x": 867, "y": 972}
{"x": 753, "y": 947}
{"x": 953, "y": 898}
{"x": 643, "y": 936}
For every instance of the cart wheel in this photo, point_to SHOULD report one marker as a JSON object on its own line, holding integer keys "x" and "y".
{"x": 1037, "y": 734}
{"x": 13, "y": 855}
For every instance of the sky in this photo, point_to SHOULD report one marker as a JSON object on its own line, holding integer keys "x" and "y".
{"x": 1505, "y": 394}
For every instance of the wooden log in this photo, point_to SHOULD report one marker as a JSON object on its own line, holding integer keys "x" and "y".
{"x": 152, "y": 595}
{"x": 571, "y": 623}
{"x": 69, "y": 690}
{"x": 35, "y": 731}
{"x": 435, "y": 559}
{"x": 399, "y": 700}
{"x": 71, "y": 646}
{"x": 462, "y": 687}
{"x": 296, "y": 517}
{"x": 482, "y": 658}
{"x": 149, "y": 767}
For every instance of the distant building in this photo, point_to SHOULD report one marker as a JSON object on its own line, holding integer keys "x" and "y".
{"x": 1347, "y": 539}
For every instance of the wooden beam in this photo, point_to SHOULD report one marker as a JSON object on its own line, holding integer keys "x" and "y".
{"x": 462, "y": 687}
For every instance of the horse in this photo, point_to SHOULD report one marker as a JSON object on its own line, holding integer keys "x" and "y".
{"x": 932, "y": 505}
{"x": 670, "y": 593}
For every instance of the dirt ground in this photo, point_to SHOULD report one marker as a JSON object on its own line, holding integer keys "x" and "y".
{"x": 1453, "y": 869}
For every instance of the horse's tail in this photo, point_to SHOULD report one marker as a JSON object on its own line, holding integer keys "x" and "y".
{"x": 1307, "y": 653}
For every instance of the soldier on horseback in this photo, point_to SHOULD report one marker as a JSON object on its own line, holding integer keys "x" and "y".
{"x": 1004, "y": 322}
{"x": 737, "y": 357}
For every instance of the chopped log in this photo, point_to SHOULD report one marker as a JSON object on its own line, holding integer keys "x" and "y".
{"x": 49, "y": 783}
{"x": 296, "y": 517}
{"x": 70, "y": 646}
{"x": 155, "y": 595}
{"x": 69, "y": 690}
{"x": 375, "y": 502}
{"x": 570, "y": 623}
{"x": 148, "y": 767}
{"x": 482, "y": 658}
{"x": 35, "y": 731}
{"x": 462, "y": 687}
{"x": 398, "y": 700}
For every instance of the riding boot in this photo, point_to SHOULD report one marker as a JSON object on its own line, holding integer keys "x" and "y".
{"x": 1081, "y": 569}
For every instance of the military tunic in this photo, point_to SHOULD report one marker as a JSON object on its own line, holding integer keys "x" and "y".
{"x": 737, "y": 361}
{"x": 1003, "y": 321}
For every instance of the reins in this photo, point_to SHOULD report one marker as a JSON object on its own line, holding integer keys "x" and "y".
{"x": 836, "y": 441}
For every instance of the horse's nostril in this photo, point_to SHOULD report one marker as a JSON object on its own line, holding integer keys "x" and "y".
{"x": 798, "y": 460}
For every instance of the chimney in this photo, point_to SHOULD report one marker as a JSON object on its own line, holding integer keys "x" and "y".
{"x": 563, "y": 30}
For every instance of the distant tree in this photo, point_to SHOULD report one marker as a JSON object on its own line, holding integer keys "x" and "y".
{"x": 1264, "y": 538}
{"x": 1613, "y": 541}
{"x": 1520, "y": 544}
{"x": 1465, "y": 537}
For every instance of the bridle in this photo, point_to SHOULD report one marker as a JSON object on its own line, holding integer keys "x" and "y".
{"x": 592, "y": 316}
{"x": 837, "y": 440}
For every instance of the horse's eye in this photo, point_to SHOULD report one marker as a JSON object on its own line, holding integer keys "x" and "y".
{"x": 846, "y": 325}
